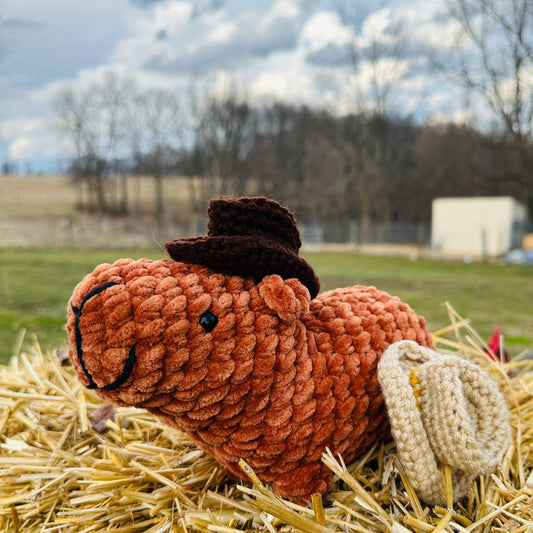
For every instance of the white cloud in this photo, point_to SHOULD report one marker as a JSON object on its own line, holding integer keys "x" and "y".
{"x": 213, "y": 39}
{"x": 322, "y": 29}
{"x": 173, "y": 15}
{"x": 377, "y": 29}
{"x": 144, "y": 27}
{"x": 29, "y": 138}
{"x": 285, "y": 8}
{"x": 385, "y": 72}
{"x": 222, "y": 33}
{"x": 292, "y": 84}
{"x": 460, "y": 116}
{"x": 438, "y": 35}
{"x": 426, "y": 23}
{"x": 288, "y": 9}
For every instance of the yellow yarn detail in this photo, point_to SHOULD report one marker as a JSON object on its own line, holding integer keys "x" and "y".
{"x": 414, "y": 382}
{"x": 413, "y": 378}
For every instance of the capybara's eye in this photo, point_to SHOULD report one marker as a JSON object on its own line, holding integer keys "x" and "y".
{"x": 208, "y": 321}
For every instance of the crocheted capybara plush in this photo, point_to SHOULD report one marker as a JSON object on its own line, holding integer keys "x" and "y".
{"x": 229, "y": 342}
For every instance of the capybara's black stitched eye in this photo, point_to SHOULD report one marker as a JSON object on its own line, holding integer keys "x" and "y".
{"x": 208, "y": 321}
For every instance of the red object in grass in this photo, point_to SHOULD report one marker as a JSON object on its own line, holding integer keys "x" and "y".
{"x": 494, "y": 351}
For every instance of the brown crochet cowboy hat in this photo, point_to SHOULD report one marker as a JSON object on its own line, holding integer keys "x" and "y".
{"x": 248, "y": 237}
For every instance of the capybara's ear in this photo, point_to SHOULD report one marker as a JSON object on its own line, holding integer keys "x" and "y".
{"x": 288, "y": 298}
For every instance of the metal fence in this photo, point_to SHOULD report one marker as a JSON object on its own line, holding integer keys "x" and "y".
{"x": 376, "y": 232}
{"x": 350, "y": 231}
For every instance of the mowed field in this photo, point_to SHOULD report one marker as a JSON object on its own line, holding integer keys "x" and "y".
{"x": 41, "y": 196}
{"x": 46, "y": 247}
{"x": 40, "y": 211}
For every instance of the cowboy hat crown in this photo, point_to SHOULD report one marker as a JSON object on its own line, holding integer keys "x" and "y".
{"x": 248, "y": 237}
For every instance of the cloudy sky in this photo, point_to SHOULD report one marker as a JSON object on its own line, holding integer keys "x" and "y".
{"x": 294, "y": 50}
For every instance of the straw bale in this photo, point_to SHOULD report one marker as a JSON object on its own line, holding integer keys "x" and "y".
{"x": 66, "y": 465}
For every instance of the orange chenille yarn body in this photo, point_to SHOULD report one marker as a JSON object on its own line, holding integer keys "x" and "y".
{"x": 251, "y": 368}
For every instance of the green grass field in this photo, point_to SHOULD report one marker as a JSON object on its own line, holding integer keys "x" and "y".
{"x": 35, "y": 286}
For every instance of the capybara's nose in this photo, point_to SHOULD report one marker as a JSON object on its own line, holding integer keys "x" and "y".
{"x": 102, "y": 346}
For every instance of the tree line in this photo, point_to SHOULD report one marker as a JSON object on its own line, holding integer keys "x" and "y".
{"x": 372, "y": 164}
{"x": 325, "y": 167}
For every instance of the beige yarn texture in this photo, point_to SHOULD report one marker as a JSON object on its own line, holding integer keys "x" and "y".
{"x": 452, "y": 414}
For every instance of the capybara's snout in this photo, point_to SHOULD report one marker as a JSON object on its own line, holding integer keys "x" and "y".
{"x": 102, "y": 335}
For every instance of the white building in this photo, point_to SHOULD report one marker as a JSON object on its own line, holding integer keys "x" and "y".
{"x": 477, "y": 226}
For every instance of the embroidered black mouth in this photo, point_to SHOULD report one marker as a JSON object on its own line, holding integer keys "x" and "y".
{"x": 130, "y": 361}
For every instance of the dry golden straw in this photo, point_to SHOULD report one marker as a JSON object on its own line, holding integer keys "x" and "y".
{"x": 133, "y": 473}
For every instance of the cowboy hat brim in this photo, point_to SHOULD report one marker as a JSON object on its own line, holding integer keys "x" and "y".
{"x": 243, "y": 255}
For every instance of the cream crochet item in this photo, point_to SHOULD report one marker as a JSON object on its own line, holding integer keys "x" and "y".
{"x": 443, "y": 410}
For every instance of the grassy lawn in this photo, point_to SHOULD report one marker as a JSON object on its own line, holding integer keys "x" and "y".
{"x": 35, "y": 286}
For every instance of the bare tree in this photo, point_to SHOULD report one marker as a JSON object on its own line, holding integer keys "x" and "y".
{"x": 376, "y": 57}
{"x": 158, "y": 116}
{"x": 7, "y": 168}
{"x": 281, "y": 152}
{"x": 493, "y": 60}
{"x": 72, "y": 119}
{"x": 111, "y": 98}
{"x": 225, "y": 135}
{"x": 93, "y": 118}
{"x": 378, "y": 67}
